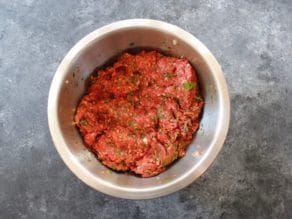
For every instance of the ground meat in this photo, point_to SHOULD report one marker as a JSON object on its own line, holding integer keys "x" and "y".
{"x": 141, "y": 113}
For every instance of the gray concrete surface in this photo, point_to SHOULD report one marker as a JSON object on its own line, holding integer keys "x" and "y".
{"x": 252, "y": 176}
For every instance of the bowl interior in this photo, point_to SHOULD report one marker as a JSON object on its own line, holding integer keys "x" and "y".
{"x": 97, "y": 51}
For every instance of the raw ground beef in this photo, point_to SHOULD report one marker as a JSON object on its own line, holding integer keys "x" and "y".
{"x": 141, "y": 113}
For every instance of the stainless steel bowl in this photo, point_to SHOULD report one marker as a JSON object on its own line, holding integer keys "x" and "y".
{"x": 94, "y": 50}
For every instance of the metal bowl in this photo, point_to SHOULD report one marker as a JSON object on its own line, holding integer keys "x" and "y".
{"x": 97, "y": 48}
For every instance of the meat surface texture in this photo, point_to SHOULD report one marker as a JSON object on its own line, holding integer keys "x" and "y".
{"x": 141, "y": 113}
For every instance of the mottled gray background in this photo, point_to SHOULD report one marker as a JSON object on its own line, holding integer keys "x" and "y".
{"x": 252, "y": 176}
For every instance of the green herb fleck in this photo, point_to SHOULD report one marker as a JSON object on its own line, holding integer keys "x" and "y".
{"x": 83, "y": 122}
{"x": 118, "y": 152}
{"x": 186, "y": 128}
{"x": 160, "y": 113}
{"x": 198, "y": 98}
{"x": 174, "y": 157}
{"x": 149, "y": 171}
{"x": 168, "y": 75}
{"x": 189, "y": 85}
{"x": 112, "y": 167}
{"x": 132, "y": 123}
{"x": 134, "y": 79}
{"x": 164, "y": 163}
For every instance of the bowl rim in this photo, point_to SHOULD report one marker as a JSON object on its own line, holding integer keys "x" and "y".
{"x": 178, "y": 183}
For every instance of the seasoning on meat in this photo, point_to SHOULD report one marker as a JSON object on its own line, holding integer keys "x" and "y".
{"x": 140, "y": 114}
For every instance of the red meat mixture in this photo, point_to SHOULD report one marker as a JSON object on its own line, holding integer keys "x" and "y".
{"x": 141, "y": 113}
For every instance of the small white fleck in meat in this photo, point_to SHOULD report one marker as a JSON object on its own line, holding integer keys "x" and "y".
{"x": 145, "y": 140}
{"x": 67, "y": 82}
{"x": 174, "y": 41}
